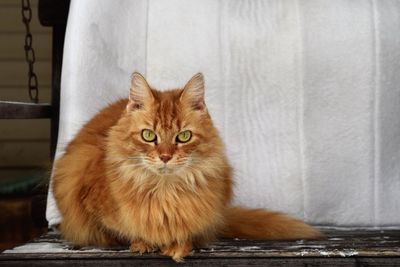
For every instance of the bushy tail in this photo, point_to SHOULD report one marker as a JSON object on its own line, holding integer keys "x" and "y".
{"x": 262, "y": 224}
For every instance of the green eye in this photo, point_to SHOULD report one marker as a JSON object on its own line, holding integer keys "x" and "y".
{"x": 184, "y": 136}
{"x": 149, "y": 135}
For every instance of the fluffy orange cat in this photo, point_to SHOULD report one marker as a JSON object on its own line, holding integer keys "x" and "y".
{"x": 150, "y": 171}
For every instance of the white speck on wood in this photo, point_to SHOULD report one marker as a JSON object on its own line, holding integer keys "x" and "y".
{"x": 327, "y": 253}
{"x": 302, "y": 253}
{"x": 39, "y": 247}
{"x": 348, "y": 252}
{"x": 249, "y": 248}
{"x": 46, "y": 247}
{"x": 305, "y": 246}
{"x": 324, "y": 253}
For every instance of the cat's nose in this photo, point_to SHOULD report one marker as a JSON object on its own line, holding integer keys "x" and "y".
{"x": 165, "y": 157}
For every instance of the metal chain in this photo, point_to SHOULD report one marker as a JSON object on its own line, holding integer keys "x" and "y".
{"x": 29, "y": 52}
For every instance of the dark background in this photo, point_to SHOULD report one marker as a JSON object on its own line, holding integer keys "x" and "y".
{"x": 24, "y": 143}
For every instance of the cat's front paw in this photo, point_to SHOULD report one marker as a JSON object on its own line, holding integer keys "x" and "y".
{"x": 141, "y": 247}
{"x": 177, "y": 251}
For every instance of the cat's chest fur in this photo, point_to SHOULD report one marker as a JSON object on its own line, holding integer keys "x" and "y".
{"x": 168, "y": 212}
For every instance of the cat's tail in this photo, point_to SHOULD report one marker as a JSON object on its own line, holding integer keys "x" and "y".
{"x": 261, "y": 224}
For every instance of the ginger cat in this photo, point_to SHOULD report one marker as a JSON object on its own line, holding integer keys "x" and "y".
{"x": 150, "y": 171}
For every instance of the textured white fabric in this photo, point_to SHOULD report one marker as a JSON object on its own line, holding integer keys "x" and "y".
{"x": 306, "y": 94}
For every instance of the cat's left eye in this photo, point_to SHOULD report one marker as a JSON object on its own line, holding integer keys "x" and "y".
{"x": 149, "y": 135}
{"x": 184, "y": 136}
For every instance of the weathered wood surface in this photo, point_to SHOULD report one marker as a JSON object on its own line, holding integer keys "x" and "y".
{"x": 340, "y": 248}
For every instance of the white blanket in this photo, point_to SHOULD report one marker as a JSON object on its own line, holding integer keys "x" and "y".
{"x": 306, "y": 94}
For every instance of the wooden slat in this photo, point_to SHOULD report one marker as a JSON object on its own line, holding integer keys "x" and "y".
{"x": 16, "y": 73}
{"x": 12, "y": 48}
{"x": 11, "y": 21}
{"x": 267, "y": 262}
{"x": 20, "y": 94}
{"x": 24, "y": 130}
{"x": 16, "y": 3}
{"x": 20, "y": 154}
{"x": 17, "y": 110}
{"x": 341, "y": 248}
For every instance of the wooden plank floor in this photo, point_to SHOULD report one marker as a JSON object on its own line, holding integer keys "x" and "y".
{"x": 340, "y": 248}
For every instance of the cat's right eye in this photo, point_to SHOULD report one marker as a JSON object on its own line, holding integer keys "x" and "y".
{"x": 149, "y": 135}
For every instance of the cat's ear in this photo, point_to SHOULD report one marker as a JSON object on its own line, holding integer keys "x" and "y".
{"x": 193, "y": 93}
{"x": 140, "y": 94}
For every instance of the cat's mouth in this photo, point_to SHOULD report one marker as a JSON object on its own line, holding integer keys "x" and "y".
{"x": 165, "y": 169}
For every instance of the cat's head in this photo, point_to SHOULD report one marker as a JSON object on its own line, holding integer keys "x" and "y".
{"x": 166, "y": 133}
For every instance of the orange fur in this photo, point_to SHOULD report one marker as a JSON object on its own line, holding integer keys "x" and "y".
{"x": 262, "y": 224}
{"x": 112, "y": 187}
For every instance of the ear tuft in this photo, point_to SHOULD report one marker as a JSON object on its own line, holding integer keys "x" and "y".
{"x": 140, "y": 93}
{"x": 193, "y": 92}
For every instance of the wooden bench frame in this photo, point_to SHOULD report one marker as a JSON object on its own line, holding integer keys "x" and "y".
{"x": 341, "y": 248}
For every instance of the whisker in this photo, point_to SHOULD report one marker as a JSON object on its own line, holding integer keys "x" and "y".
{"x": 134, "y": 157}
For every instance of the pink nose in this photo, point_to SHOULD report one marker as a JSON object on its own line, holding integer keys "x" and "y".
{"x": 165, "y": 157}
